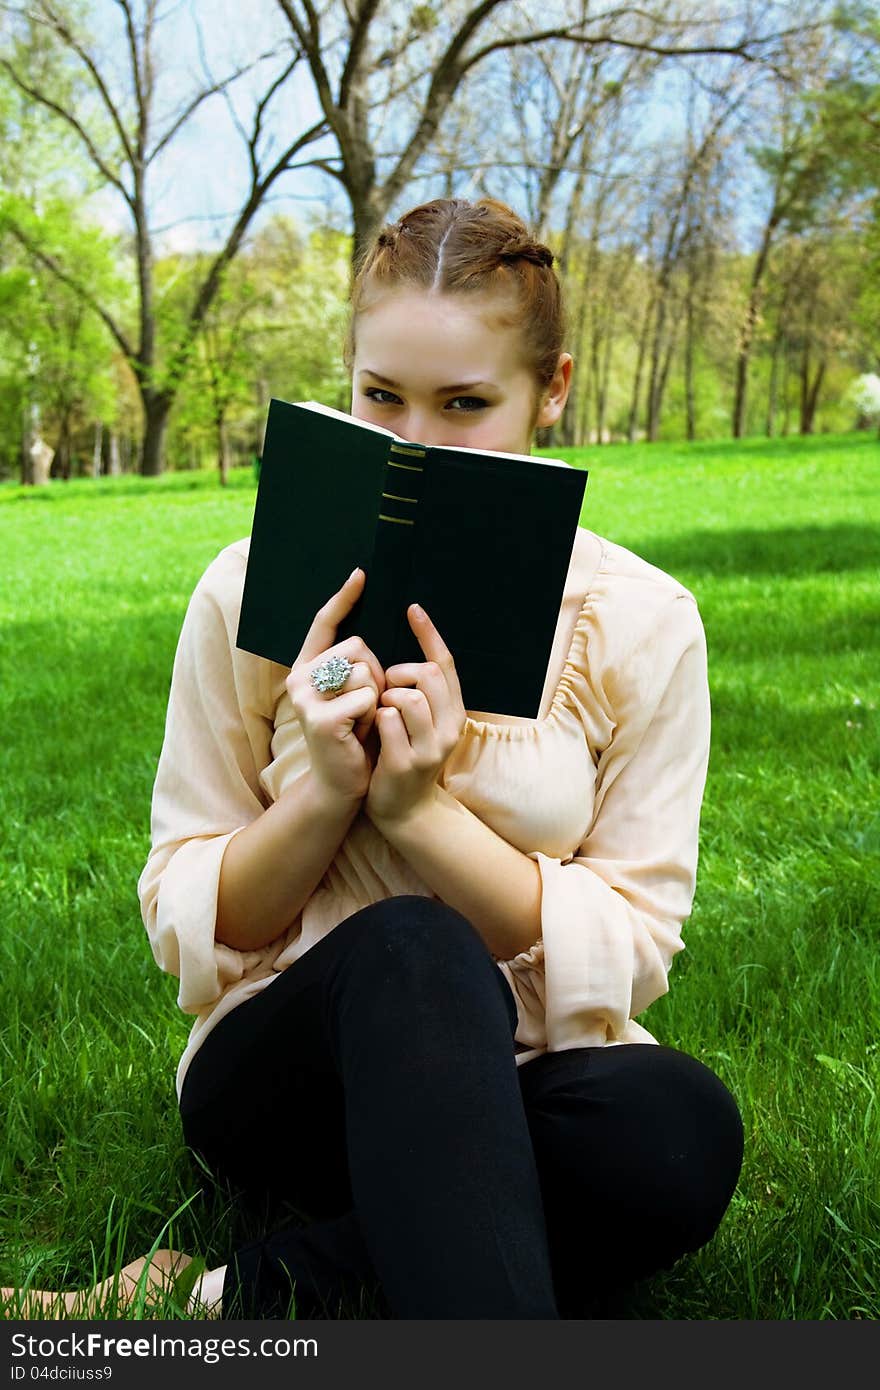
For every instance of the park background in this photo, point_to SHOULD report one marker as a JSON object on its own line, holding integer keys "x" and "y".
{"x": 183, "y": 191}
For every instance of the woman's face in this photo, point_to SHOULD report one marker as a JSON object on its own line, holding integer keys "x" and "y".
{"x": 432, "y": 368}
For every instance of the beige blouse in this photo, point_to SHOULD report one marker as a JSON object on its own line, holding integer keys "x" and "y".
{"x": 603, "y": 790}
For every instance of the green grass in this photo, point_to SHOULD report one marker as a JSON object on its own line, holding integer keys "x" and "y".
{"x": 779, "y": 989}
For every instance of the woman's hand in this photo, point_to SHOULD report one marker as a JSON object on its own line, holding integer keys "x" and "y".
{"x": 420, "y": 720}
{"x": 337, "y": 727}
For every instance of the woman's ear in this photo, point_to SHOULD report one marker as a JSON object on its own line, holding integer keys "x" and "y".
{"x": 556, "y": 394}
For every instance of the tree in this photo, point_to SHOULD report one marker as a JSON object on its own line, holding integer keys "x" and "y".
{"x": 111, "y": 113}
{"x": 56, "y": 358}
{"x": 275, "y": 329}
{"x": 404, "y": 65}
{"x": 823, "y": 144}
{"x": 848, "y": 109}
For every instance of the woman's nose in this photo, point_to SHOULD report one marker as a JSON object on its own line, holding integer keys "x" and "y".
{"x": 415, "y": 427}
{"x": 420, "y": 427}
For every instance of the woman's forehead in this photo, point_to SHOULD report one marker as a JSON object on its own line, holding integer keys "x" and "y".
{"x": 468, "y": 335}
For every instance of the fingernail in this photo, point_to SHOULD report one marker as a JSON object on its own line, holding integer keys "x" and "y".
{"x": 354, "y": 574}
{"x": 417, "y": 611}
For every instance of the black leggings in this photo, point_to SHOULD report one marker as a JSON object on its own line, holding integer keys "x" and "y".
{"x": 373, "y": 1085}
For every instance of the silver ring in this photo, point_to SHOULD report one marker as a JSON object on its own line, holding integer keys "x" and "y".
{"x": 332, "y": 674}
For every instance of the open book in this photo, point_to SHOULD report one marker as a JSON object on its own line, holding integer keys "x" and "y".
{"x": 481, "y": 540}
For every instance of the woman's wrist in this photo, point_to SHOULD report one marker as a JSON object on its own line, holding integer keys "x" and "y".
{"x": 272, "y": 866}
{"x": 322, "y": 799}
{"x": 403, "y": 819}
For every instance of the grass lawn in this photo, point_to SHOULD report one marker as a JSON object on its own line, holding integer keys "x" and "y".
{"x": 779, "y": 990}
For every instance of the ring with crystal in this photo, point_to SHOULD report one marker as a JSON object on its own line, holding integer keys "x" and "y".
{"x": 332, "y": 674}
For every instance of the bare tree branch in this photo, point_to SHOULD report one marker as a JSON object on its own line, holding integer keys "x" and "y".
{"x": 356, "y": 48}
{"x": 212, "y": 281}
{"x": 264, "y": 102}
{"x": 217, "y": 87}
{"x": 79, "y": 287}
{"x": 135, "y": 65}
{"x": 310, "y": 43}
{"x": 444, "y": 82}
{"x": 70, "y": 119}
{"x": 221, "y": 87}
{"x": 57, "y": 24}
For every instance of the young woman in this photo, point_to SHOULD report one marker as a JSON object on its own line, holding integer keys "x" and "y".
{"x": 416, "y": 937}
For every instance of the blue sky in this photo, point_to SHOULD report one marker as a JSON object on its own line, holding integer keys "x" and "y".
{"x": 203, "y": 174}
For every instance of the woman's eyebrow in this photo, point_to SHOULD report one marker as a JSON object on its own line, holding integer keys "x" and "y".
{"x": 441, "y": 390}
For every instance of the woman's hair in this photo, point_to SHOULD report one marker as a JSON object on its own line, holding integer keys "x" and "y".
{"x": 450, "y": 246}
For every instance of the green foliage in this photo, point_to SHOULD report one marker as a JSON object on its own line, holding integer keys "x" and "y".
{"x": 423, "y": 18}
{"x": 276, "y": 329}
{"x": 278, "y": 324}
{"x": 778, "y": 991}
{"x": 57, "y": 360}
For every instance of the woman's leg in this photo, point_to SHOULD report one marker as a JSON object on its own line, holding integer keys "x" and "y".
{"x": 639, "y": 1149}
{"x": 374, "y": 1083}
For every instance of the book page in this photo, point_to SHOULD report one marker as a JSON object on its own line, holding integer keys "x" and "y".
{"x": 456, "y": 448}
{"x": 349, "y": 419}
{"x": 498, "y": 454}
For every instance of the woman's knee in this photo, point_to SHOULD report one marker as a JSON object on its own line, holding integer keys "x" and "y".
{"x": 702, "y": 1153}
{"x": 421, "y": 949}
{"x": 415, "y": 935}
{"x": 644, "y": 1140}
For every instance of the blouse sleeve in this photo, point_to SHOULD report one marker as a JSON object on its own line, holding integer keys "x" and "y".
{"x": 217, "y": 738}
{"x": 612, "y": 913}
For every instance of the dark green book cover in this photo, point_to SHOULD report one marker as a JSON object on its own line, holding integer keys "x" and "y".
{"x": 482, "y": 541}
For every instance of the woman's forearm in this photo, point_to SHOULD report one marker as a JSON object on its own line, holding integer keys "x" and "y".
{"x": 272, "y": 866}
{"x": 472, "y": 869}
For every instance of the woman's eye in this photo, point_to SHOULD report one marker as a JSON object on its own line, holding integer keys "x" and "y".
{"x": 373, "y": 393}
{"x": 469, "y": 403}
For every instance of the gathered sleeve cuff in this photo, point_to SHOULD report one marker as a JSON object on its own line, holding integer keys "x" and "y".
{"x": 612, "y": 913}
{"x": 217, "y": 736}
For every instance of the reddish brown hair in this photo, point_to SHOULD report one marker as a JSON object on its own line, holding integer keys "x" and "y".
{"x": 450, "y": 246}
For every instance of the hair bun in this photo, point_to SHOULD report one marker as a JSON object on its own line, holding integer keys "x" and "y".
{"x": 523, "y": 248}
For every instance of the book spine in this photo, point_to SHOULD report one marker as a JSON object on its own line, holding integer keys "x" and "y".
{"x": 388, "y": 591}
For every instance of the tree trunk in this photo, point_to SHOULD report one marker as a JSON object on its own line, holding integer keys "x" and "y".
{"x": 750, "y": 323}
{"x": 222, "y": 447}
{"x": 663, "y": 377}
{"x": 157, "y": 407}
{"x": 640, "y": 367}
{"x": 572, "y": 431}
{"x": 605, "y": 377}
{"x": 96, "y": 449}
{"x": 810, "y": 393}
{"x": 41, "y": 455}
{"x": 653, "y": 412}
{"x": 786, "y": 403}
{"x": 367, "y": 219}
{"x": 689, "y": 395}
{"x": 27, "y": 439}
{"x": 597, "y": 344}
{"x": 773, "y": 387}
{"x": 61, "y": 461}
{"x": 689, "y": 349}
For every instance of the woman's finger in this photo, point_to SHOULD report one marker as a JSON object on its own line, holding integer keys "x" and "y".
{"x": 434, "y": 647}
{"x": 395, "y": 743}
{"x": 352, "y": 705}
{"x": 322, "y": 633}
{"x": 415, "y": 711}
{"x": 432, "y": 683}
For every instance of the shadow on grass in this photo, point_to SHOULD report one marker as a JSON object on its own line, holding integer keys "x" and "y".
{"x": 780, "y": 552}
{"x": 762, "y": 632}
{"x": 84, "y": 491}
